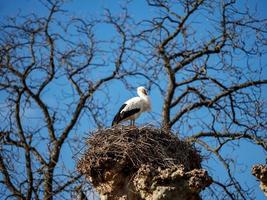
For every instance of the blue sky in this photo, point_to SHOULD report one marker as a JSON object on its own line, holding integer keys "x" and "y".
{"x": 246, "y": 153}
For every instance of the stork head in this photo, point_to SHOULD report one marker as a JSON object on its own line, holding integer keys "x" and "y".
{"x": 141, "y": 91}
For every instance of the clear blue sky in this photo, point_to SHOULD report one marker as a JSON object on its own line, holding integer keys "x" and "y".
{"x": 246, "y": 153}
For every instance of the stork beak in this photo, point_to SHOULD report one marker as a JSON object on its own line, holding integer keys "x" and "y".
{"x": 144, "y": 91}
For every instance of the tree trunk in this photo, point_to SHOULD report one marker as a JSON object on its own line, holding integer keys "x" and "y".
{"x": 48, "y": 185}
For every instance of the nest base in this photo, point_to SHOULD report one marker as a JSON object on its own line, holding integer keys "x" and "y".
{"x": 142, "y": 163}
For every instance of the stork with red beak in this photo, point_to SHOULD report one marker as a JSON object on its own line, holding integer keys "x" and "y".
{"x": 133, "y": 108}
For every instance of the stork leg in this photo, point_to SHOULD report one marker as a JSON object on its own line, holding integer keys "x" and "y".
{"x": 132, "y": 123}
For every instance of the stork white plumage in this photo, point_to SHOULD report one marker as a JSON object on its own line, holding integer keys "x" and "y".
{"x": 133, "y": 108}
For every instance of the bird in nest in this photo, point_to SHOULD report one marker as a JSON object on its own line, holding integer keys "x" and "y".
{"x": 133, "y": 107}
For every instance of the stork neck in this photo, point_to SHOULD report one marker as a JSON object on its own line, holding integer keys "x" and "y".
{"x": 147, "y": 104}
{"x": 143, "y": 96}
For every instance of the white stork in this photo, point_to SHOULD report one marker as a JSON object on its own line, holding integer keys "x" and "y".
{"x": 133, "y": 108}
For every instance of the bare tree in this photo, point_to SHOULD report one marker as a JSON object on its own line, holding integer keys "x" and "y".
{"x": 214, "y": 86}
{"x": 200, "y": 54}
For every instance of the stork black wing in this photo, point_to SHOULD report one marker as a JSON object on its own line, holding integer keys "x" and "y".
{"x": 117, "y": 117}
{"x": 121, "y": 116}
{"x": 129, "y": 113}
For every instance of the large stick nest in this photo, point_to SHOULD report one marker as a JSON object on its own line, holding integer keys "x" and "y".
{"x": 125, "y": 149}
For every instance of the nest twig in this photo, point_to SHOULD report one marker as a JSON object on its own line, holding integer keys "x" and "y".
{"x": 126, "y": 149}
